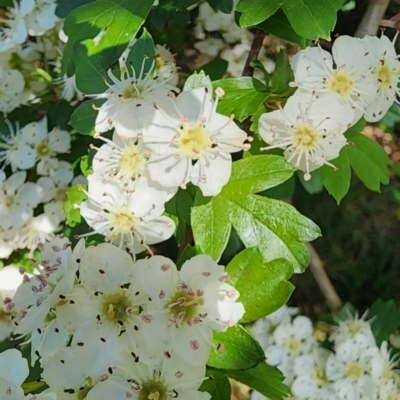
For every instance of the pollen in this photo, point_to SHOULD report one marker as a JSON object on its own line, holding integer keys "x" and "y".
{"x": 42, "y": 150}
{"x": 194, "y": 140}
{"x": 122, "y": 221}
{"x": 340, "y": 83}
{"x": 131, "y": 161}
{"x": 293, "y": 346}
{"x": 354, "y": 371}
{"x": 304, "y": 138}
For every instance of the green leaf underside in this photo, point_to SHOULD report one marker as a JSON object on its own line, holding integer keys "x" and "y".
{"x": 272, "y": 226}
{"x": 254, "y": 12}
{"x": 263, "y": 286}
{"x": 219, "y": 387}
{"x": 74, "y": 196}
{"x": 265, "y": 379}
{"x": 240, "y": 350}
{"x": 241, "y": 97}
{"x": 84, "y": 117}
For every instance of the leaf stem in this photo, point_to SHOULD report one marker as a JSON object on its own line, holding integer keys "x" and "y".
{"x": 254, "y": 51}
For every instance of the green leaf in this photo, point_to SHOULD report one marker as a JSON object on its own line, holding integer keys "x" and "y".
{"x": 187, "y": 253}
{"x": 240, "y": 350}
{"x": 337, "y": 182}
{"x": 215, "y": 69}
{"x": 75, "y": 195}
{"x": 314, "y": 185}
{"x": 282, "y": 76}
{"x": 241, "y": 97}
{"x": 386, "y": 321}
{"x": 265, "y": 379}
{"x": 312, "y": 19}
{"x": 279, "y": 25}
{"x": 84, "y": 117}
{"x": 263, "y": 286}
{"x": 112, "y": 22}
{"x": 346, "y": 312}
{"x": 369, "y": 161}
{"x": 254, "y": 12}
{"x": 275, "y": 227}
{"x": 224, "y": 6}
{"x": 197, "y": 80}
{"x": 64, "y": 7}
{"x": 219, "y": 386}
{"x": 59, "y": 114}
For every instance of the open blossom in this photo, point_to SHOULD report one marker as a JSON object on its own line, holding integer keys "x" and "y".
{"x": 385, "y": 67}
{"x": 186, "y": 306}
{"x": 42, "y": 17}
{"x": 12, "y": 89}
{"x": 193, "y": 145}
{"x": 309, "y": 130}
{"x": 351, "y": 79}
{"x": 12, "y": 374}
{"x": 166, "y": 379}
{"x": 129, "y": 105}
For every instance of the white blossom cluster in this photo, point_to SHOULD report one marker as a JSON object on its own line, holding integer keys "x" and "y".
{"x": 356, "y": 368}
{"x": 37, "y": 178}
{"x": 359, "y": 79}
{"x": 161, "y": 142}
{"x": 106, "y": 327}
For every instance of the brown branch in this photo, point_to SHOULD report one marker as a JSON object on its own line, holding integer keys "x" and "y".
{"x": 188, "y": 240}
{"x": 325, "y": 285}
{"x": 253, "y": 54}
{"x": 371, "y": 20}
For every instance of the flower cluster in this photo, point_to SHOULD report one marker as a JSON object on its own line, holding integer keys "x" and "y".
{"x": 360, "y": 78}
{"x": 105, "y": 326}
{"x": 356, "y": 369}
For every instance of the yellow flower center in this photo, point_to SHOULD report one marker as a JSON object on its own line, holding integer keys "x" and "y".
{"x": 5, "y": 317}
{"x": 319, "y": 376}
{"x": 387, "y": 374}
{"x": 194, "y": 140}
{"x": 153, "y": 390}
{"x": 61, "y": 194}
{"x": 184, "y": 305}
{"x": 354, "y": 328}
{"x": 123, "y": 221}
{"x": 304, "y": 138}
{"x": 42, "y": 150}
{"x": 130, "y": 92}
{"x": 293, "y": 346}
{"x": 384, "y": 75}
{"x": 353, "y": 371}
{"x": 341, "y": 83}
{"x": 9, "y": 200}
{"x": 131, "y": 161}
{"x": 115, "y": 306}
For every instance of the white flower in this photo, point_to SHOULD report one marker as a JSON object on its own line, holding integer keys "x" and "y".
{"x": 42, "y": 18}
{"x": 69, "y": 88}
{"x": 165, "y": 64}
{"x": 15, "y": 370}
{"x": 11, "y": 91}
{"x": 349, "y": 368}
{"x": 310, "y": 130}
{"x": 108, "y": 300}
{"x": 210, "y": 46}
{"x": 383, "y": 365}
{"x": 14, "y": 150}
{"x": 129, "y": 105}
{"x": 186, "y": 306}
{"x": 193, "y": 144}
{"x": 311, "y": 381}
{"x": 351, "y": 79}
{"x": 385, "y": 67}
{"x": 13, "y": 30}
{"x": 135, "y": 380}
{"x": 17, "y": 200}
{"x": 236, "y": 58}
{"x": 354, "y": 329}
{"x": 129, "y": 219}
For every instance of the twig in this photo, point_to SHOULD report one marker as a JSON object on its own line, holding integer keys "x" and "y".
{"x": 317, "y": 269}
{"x": 253, "y": 54}
{"x": 371, "y": 20}
{"x": 188, "y": 240}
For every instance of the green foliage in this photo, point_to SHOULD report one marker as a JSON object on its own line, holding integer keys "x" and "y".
{"x": 218, "y": 385}
{"x": 254, "y": 12}
{"x": 366, "y": 157}
{"x": 224, "y": 6}
{"x": 98, "y": 33}
{"x": 64, "y": 7}
{"x": 240, "y": 350}
{"x": 75, "y": 196}
{"x": 272, "y": 226}
{"x": 84, "y": 117}
{"x": 265, "y": 379}
{"x": 386, "y": 319}
{"x": 197, "y": 80}
{"x": 282, "y": 76}
{"x": 241, "y": 97}
{"x": 263, "y": 286}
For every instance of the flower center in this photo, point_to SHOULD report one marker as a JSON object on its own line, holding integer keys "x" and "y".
{"x": 354, "y": 329}
{"x": 353, "y": 371}
{"x": 131, "y": 161}
{"x": 194, "y": 140}
{"x": 9, "y": 200}
{"x": 130, "y": 92}
{"x": 293, "y": 346}
{"x": 42, "y": 150}
{"x": 384, "y": 75}
{"x": 115, "y": 306}
{"x": 5, "y": 317}
{"x": 184, "y": 305}
{"x": 319, "y": 376}
{"x": 123, "y": 221}
{"x": 153, "y": 390}
{"x": 387, "y": 374}
{"x": 304, "y": 138}
{"x": 61, "y": 194}
{"x": 341, "y": 83}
